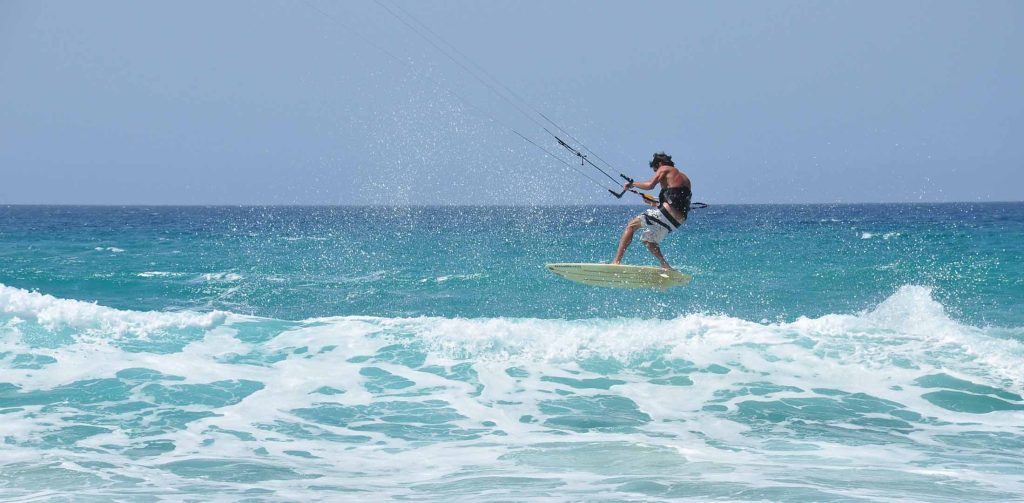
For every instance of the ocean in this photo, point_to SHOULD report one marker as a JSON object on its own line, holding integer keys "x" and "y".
{"x": 839, "y": 353}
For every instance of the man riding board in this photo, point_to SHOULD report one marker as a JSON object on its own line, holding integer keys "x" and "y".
{"x": 666, "y": 216}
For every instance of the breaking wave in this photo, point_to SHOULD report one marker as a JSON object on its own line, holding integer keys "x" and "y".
{"x": 899, "y": 401}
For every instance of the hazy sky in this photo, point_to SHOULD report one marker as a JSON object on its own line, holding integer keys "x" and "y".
{"x": 338, "y": 102}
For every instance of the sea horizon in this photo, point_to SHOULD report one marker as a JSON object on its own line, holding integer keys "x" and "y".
{"x": 459, "y": 205}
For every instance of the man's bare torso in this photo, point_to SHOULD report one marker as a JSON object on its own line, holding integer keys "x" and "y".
{"x": 674, "y": 178}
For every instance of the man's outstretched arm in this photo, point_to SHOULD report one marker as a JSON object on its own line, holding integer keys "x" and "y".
{"x": 649, "y": 184}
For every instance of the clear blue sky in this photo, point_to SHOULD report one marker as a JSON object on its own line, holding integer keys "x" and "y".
{"x": 272, "y": 102}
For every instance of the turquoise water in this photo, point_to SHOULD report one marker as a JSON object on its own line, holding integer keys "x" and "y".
{"x": 822, "y": 353}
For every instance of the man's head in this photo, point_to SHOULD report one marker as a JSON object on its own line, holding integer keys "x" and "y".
{"x": 661, "y": 158}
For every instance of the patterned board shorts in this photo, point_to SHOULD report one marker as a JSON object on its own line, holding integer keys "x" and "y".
{"x": 657, "y": 224}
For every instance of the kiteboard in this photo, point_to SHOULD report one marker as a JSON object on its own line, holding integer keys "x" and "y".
{"x": 620, "y": 276}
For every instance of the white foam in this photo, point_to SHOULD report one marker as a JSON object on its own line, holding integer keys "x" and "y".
{"x": 158, "y": 274}
{"x": 885, "y": 236}
{"x": 913, "y": 326}
{"x": 450, "y": 277}
{"x": 227, "y": 277}
{"x": 849, "y": 352}
{"x": 53, "y": 314}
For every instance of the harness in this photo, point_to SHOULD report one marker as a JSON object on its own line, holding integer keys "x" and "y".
{"x": 671, "y": 225}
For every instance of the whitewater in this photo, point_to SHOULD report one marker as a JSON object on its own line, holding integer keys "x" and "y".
{"x": 241, "y": 354}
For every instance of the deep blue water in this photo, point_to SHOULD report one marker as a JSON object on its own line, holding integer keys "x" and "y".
{"x": 821, "y": 353}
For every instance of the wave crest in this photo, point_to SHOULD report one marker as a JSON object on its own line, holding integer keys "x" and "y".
{"x": 909, "y": 329}
{"x": 54, "y": 314}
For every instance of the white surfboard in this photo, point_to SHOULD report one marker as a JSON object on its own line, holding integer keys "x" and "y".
{"x": 620, "y": 276}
